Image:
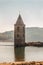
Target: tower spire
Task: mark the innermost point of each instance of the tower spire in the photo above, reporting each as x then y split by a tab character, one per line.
19	33
19	20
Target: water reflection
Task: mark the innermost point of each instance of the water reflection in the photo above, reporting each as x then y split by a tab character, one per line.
19	53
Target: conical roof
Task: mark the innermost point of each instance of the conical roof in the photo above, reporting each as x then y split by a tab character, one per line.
19	20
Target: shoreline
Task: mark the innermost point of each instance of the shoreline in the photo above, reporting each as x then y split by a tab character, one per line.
34	44
23	63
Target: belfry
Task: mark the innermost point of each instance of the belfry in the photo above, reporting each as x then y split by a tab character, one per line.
19	32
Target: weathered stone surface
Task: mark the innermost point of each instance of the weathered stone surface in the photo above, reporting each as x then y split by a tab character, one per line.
19	32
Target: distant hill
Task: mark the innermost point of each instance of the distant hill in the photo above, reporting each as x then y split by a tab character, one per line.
7	36
31	34
34	34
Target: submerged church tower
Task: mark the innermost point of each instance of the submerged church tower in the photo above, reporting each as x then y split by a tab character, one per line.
19	32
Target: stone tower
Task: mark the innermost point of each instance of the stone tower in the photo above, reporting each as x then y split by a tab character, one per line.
19	32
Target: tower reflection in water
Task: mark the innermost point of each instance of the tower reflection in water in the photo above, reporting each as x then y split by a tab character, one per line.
19	53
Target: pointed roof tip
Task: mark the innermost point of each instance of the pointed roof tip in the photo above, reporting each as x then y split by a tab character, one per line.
19	20
19	16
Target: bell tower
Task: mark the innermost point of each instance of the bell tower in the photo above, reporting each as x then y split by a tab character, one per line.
19	32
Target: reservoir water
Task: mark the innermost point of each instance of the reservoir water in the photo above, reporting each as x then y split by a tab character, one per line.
8	53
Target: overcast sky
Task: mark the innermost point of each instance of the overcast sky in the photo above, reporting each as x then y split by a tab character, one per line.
31	12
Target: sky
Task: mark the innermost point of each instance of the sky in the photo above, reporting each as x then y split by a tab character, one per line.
31	12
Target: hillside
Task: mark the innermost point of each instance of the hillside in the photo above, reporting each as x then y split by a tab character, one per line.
7	36
31	34
34	34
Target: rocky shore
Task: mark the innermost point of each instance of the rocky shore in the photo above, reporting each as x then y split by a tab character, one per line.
23	63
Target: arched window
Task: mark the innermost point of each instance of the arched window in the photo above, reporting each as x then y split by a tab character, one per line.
18	29
17	35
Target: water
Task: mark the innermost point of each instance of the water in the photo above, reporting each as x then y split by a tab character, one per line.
8	53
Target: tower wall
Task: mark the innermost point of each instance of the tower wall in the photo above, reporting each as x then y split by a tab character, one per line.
19	34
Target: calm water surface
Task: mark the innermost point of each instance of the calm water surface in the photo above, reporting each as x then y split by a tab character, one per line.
9	53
